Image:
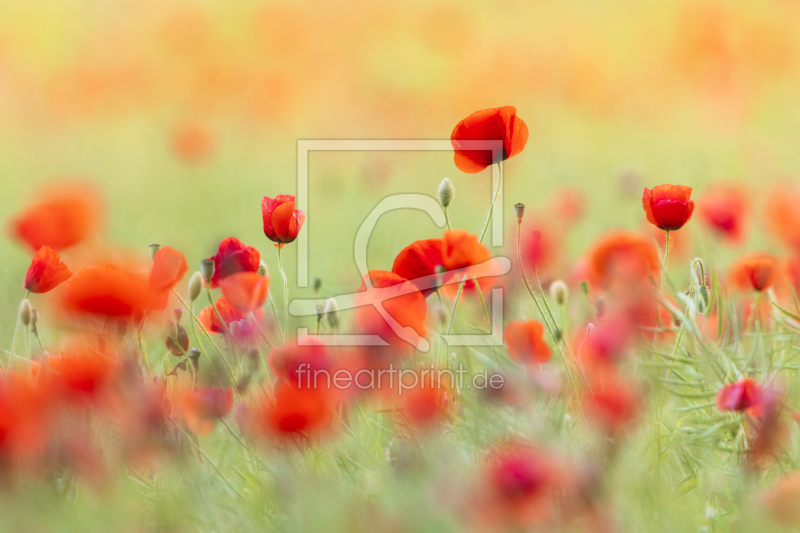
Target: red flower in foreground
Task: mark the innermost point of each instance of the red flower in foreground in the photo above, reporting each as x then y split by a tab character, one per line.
419	260
46	271
461	249
723	210
282	222
495	124
740	396
64	217
622	256
233	256
107	290
401	301
754	271
245	291
168	270
525	342
23	422
201	407
668	206
209	319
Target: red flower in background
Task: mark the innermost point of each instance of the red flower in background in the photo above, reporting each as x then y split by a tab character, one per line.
201	407
297	364
668	206
419	260
46	271
525	342
282	222
754	271
724	209
107	290
495	124
622	256
233	256
783	216
209	319
192	142
168	270
290	412
613	405
740	396
400	299
245	291
64	217
82	374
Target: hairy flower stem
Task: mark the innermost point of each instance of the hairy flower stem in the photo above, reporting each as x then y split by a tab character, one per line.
285	296
655	363
494	199
16	334
446	218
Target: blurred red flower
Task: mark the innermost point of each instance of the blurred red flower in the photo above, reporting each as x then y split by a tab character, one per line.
302	366
614	405
192	142
282	222
622	256
668	206
209	319
525	341
82	374
233	256
201	407
495	124
419	260
169	267
723	209
744	395
64	217
754	271
245	291
290	412
24	418
783	216
108	290
781	500
46	271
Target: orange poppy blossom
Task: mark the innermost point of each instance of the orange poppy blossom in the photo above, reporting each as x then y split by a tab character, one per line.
621	257
525	341
723	209
461	249
233	256
209	319
421	404
668	207
288	412
200	408
400	299
781	500
744	395
46	271
783	217
24	421
754	271
109	291
282	222
494	124
65	216
82	374
169	268
302	366
245	291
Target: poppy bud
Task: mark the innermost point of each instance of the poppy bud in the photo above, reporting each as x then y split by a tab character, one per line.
207	268
154	248
601	307
703	299
178	314
559	291
519	210
25	312
34	317
331	311
446	192
172	329
317	284
195	286
262	269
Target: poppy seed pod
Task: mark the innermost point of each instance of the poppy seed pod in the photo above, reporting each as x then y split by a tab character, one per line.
195	286
559	292
446	192
207	268
25	312
262	269
154	248
519	211
331	311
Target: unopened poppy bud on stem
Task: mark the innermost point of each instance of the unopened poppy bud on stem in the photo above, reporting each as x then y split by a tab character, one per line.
559	292
446	192
34	317
519	211
262	268
703	299
195	286
154	248
207	268
172	329
25	310
331	311
178	313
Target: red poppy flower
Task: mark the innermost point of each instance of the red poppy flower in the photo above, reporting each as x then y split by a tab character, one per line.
302	366
781	500
233	256
282	222
64	217
192	142
614	405
419	260
107	290
201	407
400	299
525	342
605	344
754	271
668	207
461	249
209	319
622	256
46	271
24	421
245	291
723	209
168	270
421	400
742	395
495	124
784	217
291	412
81	374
